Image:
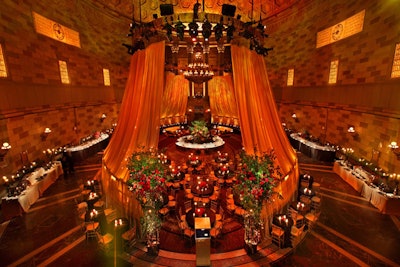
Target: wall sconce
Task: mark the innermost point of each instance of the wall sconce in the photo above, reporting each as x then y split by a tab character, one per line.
294	116
352	130
395	149
46	133
4	150
103	117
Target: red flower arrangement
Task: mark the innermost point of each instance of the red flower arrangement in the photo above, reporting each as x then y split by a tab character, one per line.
256	180
146	177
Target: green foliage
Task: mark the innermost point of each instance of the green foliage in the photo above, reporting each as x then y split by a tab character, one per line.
256	180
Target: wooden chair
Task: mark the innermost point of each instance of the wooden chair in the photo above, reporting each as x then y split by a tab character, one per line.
315	203
295	234
220	216
298	219
182	215
216	231
239	211
214	206
111	215
188	205
306	200
129	238
164	210
105	241
278	235
91	230
81	207
99	205
311	218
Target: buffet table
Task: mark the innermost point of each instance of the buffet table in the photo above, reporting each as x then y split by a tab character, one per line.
39	180
311	149
386	203
89	148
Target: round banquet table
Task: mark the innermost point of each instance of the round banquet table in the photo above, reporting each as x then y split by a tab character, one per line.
224	174
191	214
300	207
202	191
307	192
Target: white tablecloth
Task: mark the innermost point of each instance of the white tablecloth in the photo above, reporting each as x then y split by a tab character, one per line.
32	193
385	203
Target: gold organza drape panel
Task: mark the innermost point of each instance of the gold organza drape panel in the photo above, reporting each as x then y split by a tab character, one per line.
222	97
174	99
138	124
259	121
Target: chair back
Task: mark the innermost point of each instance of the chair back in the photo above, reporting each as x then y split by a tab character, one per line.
214	206
188	205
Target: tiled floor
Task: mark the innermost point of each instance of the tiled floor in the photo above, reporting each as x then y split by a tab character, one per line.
350	232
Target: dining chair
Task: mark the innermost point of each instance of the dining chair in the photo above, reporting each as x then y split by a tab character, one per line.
216	231
111	215
99	204
219	216
164	210
182	215
129	238
278	235
105	241
188	205
214	206
295	234
239	211
315	203
91	230
305	199
214	196
298	219
311	218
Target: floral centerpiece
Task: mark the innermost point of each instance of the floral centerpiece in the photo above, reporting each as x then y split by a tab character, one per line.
256	181
200	133
146	180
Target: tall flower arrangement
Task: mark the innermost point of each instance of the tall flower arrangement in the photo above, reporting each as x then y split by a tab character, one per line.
147	177
147	180
256	180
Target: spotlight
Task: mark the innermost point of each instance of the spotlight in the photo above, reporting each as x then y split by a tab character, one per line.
218	29
180	29
229	31
193	29
207	28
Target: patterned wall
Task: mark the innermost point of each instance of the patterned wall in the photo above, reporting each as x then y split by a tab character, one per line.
32	96
364	97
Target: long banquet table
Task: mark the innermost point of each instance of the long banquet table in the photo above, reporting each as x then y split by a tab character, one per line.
40	180
89	148
386	203
311	149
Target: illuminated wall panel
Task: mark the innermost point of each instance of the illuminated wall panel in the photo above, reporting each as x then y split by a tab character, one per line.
56	31
341	30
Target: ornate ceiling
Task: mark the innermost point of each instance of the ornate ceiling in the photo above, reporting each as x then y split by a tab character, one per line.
249	10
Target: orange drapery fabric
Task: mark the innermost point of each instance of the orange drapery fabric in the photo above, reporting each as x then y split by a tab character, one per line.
139	118
222	97
175	98
260	125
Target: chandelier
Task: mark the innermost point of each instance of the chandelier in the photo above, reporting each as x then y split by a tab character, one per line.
198	72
